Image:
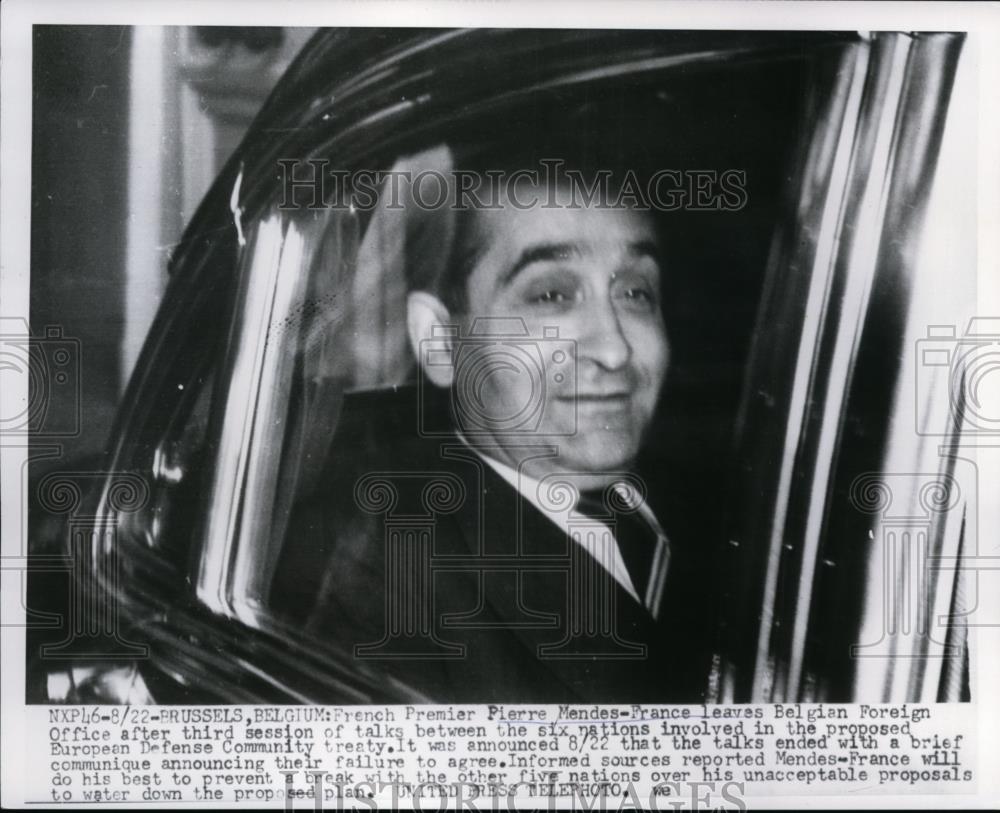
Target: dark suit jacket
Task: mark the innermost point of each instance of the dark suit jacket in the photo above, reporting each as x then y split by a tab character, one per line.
425	563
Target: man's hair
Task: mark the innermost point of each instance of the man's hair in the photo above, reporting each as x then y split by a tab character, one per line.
592	135
495	171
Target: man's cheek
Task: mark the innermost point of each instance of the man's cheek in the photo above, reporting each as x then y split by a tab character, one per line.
656	360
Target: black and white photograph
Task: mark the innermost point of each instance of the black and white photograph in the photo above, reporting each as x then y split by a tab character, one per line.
400	368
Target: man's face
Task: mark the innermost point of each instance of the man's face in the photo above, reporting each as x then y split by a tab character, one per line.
592	274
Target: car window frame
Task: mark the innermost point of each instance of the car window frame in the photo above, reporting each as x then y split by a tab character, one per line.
341	98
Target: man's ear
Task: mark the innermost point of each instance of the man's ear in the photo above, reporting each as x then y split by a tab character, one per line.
432	347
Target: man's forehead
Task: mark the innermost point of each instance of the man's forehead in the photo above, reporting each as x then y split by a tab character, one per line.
578	231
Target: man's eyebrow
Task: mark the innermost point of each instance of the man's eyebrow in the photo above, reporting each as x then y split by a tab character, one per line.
539	253
645	248
549	252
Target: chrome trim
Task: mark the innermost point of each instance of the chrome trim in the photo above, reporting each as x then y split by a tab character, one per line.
848	98
249	346
862	219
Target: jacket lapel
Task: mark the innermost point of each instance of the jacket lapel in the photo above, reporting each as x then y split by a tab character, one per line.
532	600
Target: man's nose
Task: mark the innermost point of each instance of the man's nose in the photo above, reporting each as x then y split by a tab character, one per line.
602	338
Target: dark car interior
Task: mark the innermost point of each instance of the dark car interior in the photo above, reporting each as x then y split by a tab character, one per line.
349	378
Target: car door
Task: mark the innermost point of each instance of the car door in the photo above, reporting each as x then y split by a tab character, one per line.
282	303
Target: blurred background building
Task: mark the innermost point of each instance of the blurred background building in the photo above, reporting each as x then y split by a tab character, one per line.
130	126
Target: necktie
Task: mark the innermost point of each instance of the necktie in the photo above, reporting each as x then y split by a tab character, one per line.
635	536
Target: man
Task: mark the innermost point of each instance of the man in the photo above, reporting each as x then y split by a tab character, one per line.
542	574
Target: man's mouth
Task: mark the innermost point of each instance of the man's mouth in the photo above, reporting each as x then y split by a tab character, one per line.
600	401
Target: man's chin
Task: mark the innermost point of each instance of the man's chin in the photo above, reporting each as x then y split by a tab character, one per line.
601	461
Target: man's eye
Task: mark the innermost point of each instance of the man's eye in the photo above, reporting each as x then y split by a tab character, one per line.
549	295
639	296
